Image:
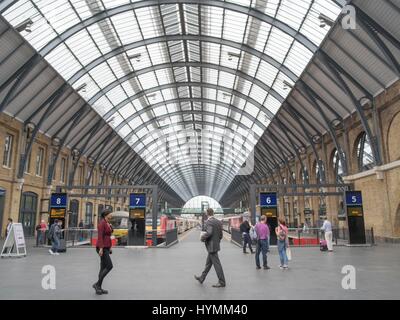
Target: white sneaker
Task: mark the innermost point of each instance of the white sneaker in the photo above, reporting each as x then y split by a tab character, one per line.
280	267
56	253
51	252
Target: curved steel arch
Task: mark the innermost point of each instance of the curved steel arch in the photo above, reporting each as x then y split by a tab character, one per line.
209	39
201	122
191	84
169	65
61	38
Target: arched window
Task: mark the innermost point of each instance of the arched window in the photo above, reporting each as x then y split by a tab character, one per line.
319	174
337	167
365	157
304	175
28	212
73	213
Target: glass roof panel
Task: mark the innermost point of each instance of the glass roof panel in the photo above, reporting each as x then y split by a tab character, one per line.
239	102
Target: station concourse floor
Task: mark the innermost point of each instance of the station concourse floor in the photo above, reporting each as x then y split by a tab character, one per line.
167	274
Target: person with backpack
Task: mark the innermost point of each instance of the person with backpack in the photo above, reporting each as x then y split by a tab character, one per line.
282	236
263	234
54	236
245	230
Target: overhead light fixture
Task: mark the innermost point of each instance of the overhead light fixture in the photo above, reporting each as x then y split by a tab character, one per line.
136	57
232	55
82	87
225	95
325	20
24	25
287	85
152	96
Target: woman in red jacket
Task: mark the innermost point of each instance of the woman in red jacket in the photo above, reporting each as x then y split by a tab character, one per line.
103	249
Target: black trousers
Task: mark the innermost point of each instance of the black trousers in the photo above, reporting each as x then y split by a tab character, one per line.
213	260
105	265
246	240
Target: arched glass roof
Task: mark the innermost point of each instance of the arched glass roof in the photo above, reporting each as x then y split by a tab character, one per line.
185	83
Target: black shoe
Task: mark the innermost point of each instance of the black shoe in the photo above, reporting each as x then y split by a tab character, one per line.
266	268
219	285
97	288
104	291
252	252
258	268
198	279
245	252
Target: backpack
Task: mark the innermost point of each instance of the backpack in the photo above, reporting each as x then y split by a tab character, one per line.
38	227
50	233
253	234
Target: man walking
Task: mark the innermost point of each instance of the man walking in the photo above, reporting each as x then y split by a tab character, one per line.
212	237
54	236
263	233
327	227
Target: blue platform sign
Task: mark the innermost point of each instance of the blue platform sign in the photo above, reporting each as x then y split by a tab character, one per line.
137	200
268	200
58	200
353	198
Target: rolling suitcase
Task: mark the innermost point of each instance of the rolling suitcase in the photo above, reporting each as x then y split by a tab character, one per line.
63	246
323	245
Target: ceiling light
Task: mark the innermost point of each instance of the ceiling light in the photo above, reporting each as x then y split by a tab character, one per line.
325	20
287	85
24	25
82	87
136	57
232	55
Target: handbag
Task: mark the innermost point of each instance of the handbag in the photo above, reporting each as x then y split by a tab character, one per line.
289	253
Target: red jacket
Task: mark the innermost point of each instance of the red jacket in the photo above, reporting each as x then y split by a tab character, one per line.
104	232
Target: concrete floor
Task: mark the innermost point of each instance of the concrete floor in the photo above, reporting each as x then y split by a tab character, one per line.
168	274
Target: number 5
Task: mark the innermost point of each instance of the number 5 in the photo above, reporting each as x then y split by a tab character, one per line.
354	199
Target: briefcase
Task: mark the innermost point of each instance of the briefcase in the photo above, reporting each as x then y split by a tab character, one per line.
63	246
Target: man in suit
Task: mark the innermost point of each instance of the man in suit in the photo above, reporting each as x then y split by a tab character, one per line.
212	237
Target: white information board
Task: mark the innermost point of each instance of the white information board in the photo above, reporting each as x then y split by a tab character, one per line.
14	246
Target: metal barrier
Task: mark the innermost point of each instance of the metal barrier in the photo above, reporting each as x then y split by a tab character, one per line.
236	236
171	237
310	237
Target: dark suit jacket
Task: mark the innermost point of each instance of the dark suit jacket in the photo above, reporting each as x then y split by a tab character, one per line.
213	235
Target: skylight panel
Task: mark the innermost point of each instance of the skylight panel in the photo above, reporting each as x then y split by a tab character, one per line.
249	64
257	34
226	79
149	21
148	80
283	84
116	95
59	14
211	24
128	88
124	131
234	25
278	44
114	3
102	74
266	73
272	104
158	53
135	122
292	12
102	106
63	61
83	47
82	8
115	65
127	111
127	28
252	109
298	58
99	38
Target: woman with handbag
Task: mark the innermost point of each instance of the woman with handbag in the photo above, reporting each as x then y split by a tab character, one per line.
283	243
